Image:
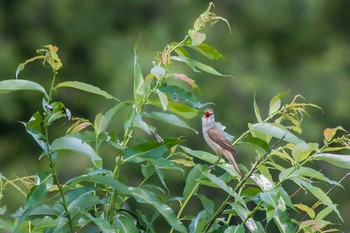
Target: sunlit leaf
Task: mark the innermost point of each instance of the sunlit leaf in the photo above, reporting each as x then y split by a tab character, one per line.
77	145
275	103
87	88
306	209
302	150
329	133
20	85
163	99
147	197
190	82
197	38
337	160
277	131
318	224
177	108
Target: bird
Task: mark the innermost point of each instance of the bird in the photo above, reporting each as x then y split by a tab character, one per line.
216	139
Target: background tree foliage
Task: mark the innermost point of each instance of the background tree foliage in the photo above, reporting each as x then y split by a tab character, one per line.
294	46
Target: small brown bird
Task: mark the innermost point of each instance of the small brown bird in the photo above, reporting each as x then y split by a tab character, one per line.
217	140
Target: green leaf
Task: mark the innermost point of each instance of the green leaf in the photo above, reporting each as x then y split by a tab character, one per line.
342	161
318	224
257	111
235	229
270	197
152	151
33	127
163	99
21	66
304	172
197	65
77	145
259	143
86	87
11	85
302	150
84	201
139	83
177	108
99	179
100	123
168	118
179	94
197	38
147	197
207	204
192	182
125	225
283	222
57	112
101	223
38	192
317	192
275	103
208	51
198	223
277	131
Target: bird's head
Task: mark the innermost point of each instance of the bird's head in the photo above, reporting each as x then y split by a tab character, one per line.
208	114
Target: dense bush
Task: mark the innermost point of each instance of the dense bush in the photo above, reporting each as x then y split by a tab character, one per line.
269	195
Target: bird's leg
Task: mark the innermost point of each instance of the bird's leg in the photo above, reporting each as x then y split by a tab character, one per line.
212	167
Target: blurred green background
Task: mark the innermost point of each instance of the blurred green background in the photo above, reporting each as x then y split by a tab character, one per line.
299	47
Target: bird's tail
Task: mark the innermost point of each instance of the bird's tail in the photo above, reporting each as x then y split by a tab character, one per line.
232	160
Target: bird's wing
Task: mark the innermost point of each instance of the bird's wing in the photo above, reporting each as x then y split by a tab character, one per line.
217	136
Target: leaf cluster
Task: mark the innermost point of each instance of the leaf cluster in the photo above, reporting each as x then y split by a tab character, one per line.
100	200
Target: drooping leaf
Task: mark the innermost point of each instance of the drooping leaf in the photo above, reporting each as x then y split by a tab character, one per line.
83	201
87	88
208	51
33	127
190	82
77	145
21	66
168	118
11	85
277	131
196	65
337	160
148	197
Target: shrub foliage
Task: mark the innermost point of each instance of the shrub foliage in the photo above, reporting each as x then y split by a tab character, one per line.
268	196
